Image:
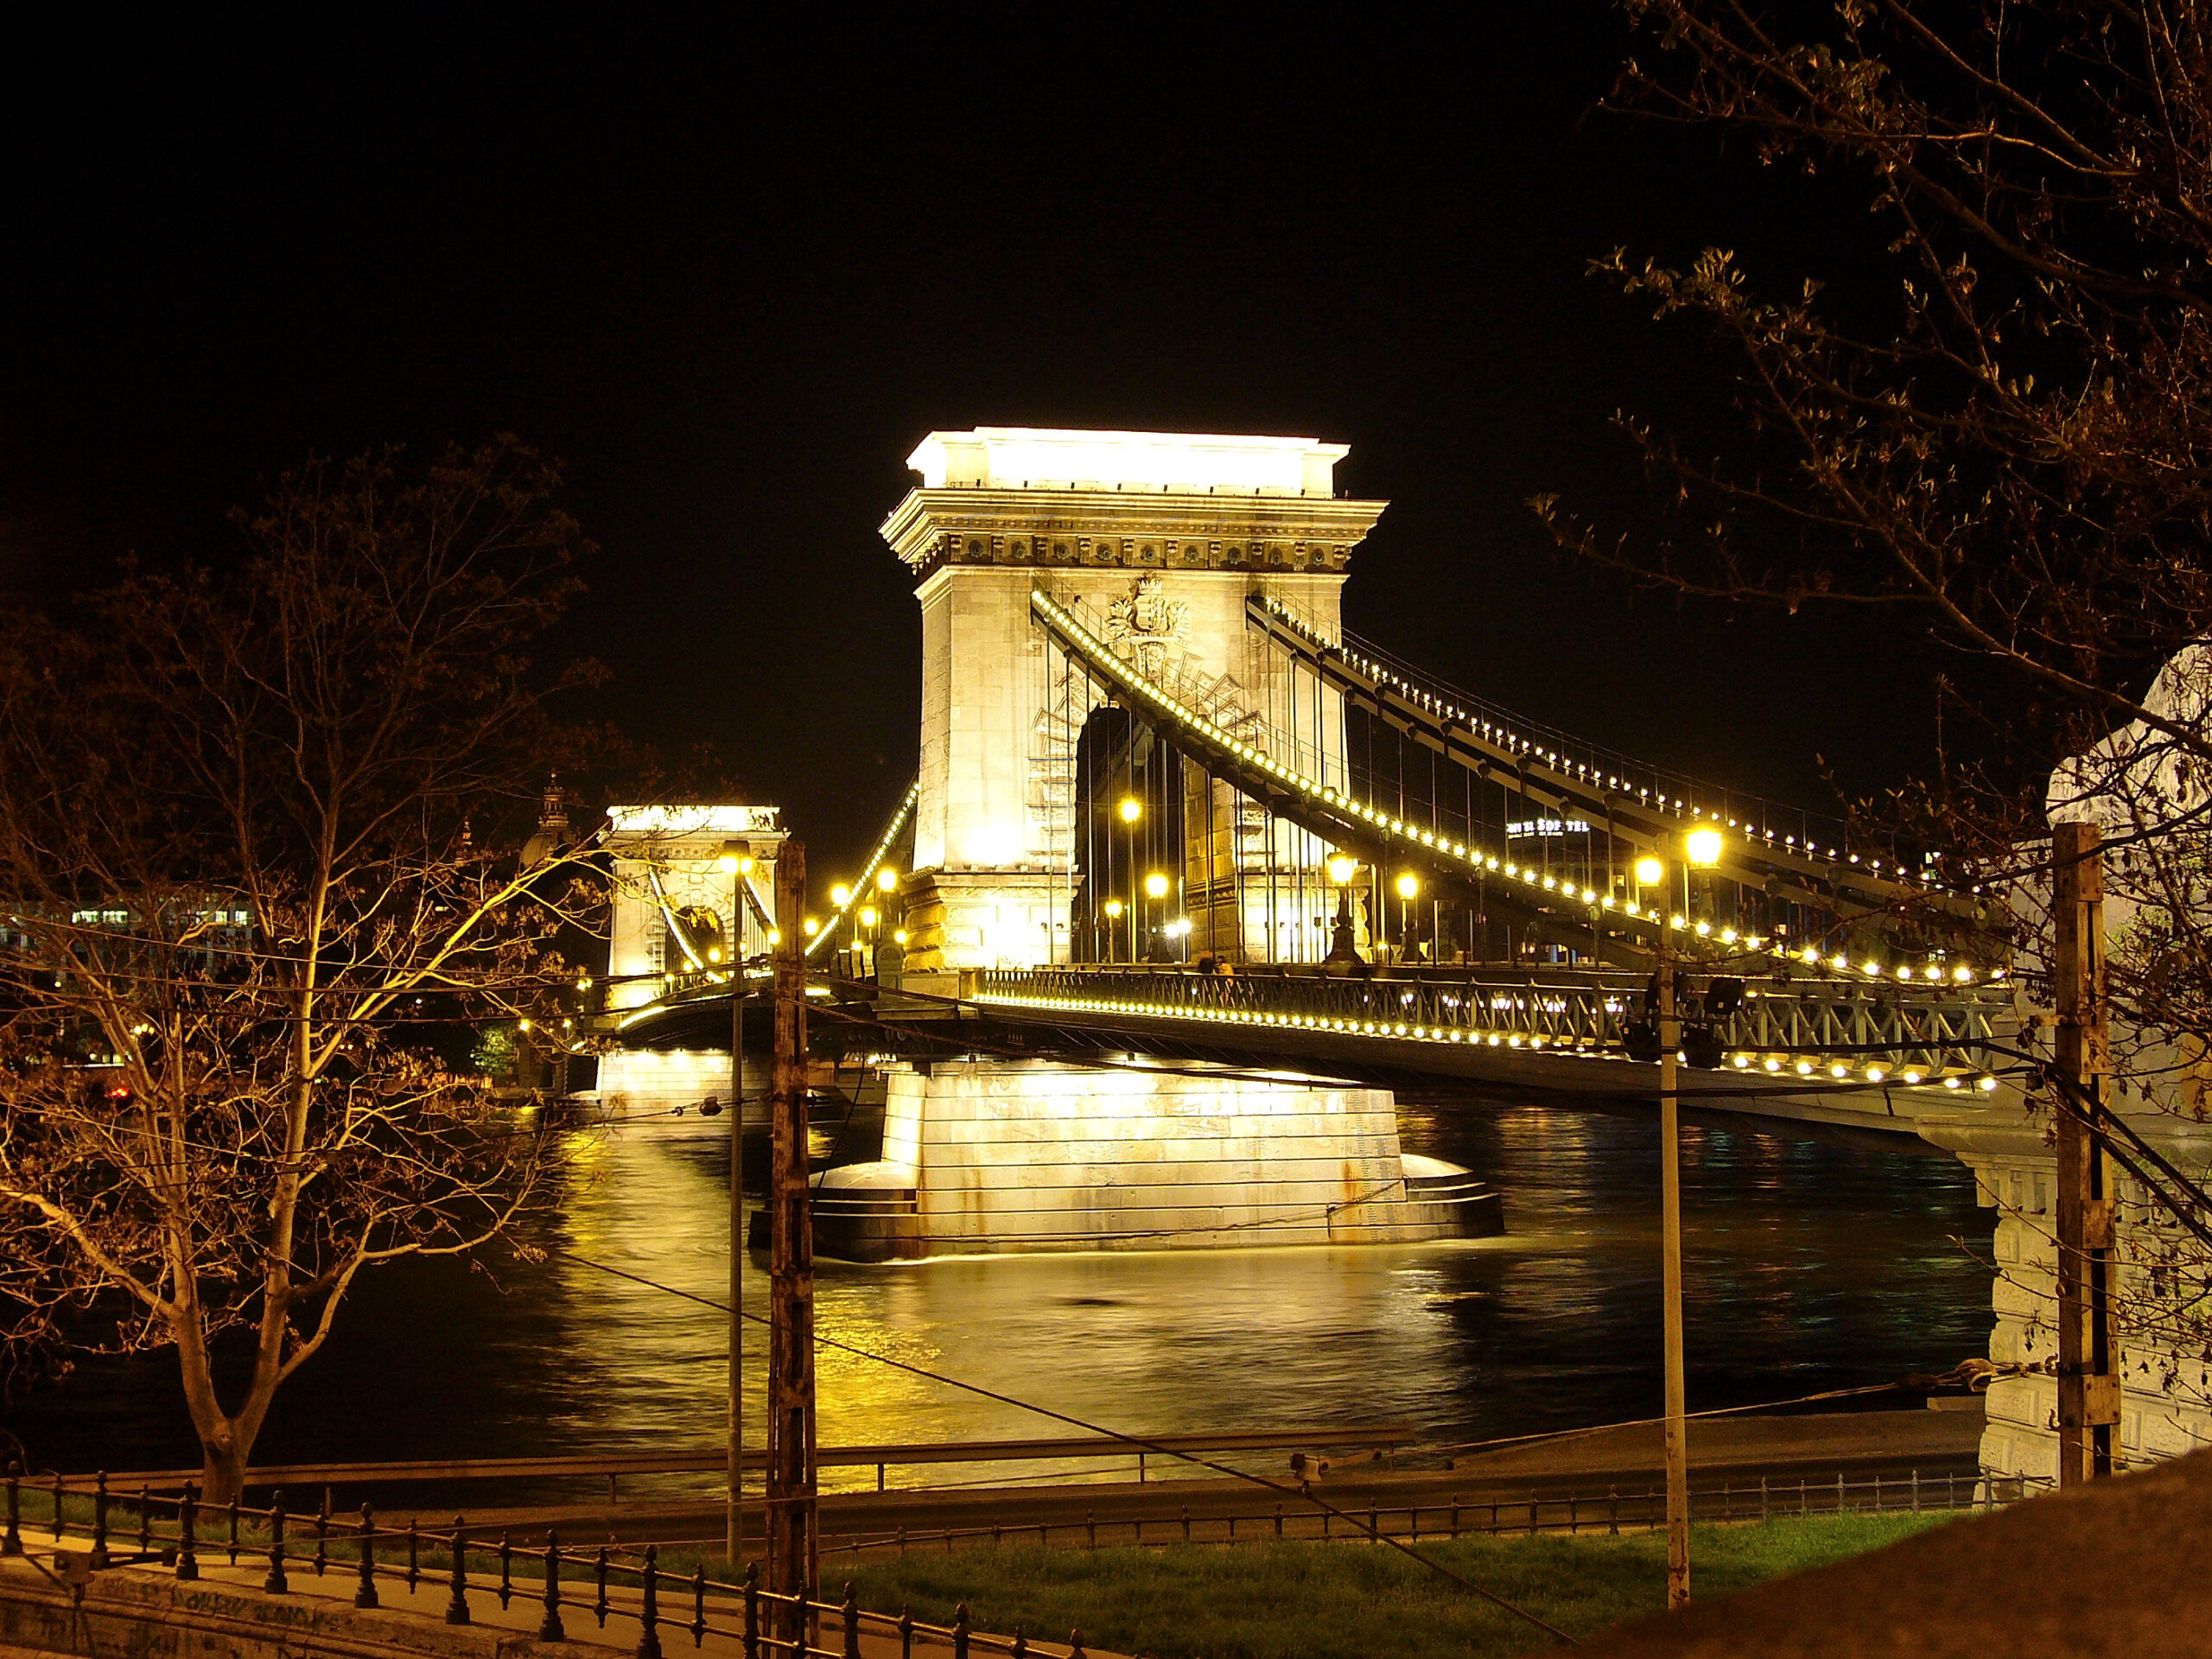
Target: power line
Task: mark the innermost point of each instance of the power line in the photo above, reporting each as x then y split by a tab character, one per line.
1303	1490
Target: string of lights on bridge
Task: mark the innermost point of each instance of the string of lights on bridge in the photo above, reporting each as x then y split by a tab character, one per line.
872	872
1477	861
1874	1071
1382	674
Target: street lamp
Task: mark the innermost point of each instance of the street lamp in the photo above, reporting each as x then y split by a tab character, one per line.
1113	908
886	880
1340	868
1408	886
1131	809
1155	888
869	915
736	861
1701	848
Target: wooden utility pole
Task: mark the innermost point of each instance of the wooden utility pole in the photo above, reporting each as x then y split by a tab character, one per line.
738	859
2089	1358
792	1537
1670	1288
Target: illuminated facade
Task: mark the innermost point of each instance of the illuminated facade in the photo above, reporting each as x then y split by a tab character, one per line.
677	912
675	908
1161	539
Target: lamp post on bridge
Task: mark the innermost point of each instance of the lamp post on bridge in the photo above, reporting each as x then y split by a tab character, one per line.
1408	887
1701	847
1155	888
1132	810
1343	947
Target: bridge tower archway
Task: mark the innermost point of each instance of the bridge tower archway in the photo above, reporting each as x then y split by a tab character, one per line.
1158	540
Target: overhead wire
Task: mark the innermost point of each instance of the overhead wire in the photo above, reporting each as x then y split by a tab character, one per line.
1303	1490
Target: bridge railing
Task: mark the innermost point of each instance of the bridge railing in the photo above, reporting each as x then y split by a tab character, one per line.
1827	1029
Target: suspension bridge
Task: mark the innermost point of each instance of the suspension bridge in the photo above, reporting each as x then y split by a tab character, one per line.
1166	801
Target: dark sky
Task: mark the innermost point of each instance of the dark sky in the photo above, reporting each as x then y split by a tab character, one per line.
731	272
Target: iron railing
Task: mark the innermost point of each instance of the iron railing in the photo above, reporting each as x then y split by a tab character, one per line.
1611	1512
611	1584
1937	1037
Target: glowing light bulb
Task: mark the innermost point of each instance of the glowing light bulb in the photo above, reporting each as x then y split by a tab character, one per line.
1650	872
1702	846
841	895
886	880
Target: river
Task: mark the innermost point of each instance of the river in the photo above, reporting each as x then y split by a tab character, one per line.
1810	1266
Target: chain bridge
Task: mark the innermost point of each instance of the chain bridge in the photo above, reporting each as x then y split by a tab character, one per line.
1165	799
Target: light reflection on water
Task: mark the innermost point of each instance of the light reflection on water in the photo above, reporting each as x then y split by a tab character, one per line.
1809	1267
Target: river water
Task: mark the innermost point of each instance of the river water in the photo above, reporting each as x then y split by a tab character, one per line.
1810	1265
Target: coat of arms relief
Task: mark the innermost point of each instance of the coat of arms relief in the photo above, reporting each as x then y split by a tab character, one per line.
1147	621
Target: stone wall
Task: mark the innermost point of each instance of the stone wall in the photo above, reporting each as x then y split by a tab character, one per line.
1033	1155
2166	1399
146	1615
652	1080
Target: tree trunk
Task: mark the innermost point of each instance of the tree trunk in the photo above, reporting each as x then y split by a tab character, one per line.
225	1441
222	1470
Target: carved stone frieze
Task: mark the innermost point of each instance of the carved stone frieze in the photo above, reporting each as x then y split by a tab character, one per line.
1048	528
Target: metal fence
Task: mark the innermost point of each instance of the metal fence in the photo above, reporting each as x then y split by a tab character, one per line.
610	1584
1571	1514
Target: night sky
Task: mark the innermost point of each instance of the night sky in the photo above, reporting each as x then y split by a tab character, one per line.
731	272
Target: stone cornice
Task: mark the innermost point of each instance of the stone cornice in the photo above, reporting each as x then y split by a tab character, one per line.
1140	530
2026	1135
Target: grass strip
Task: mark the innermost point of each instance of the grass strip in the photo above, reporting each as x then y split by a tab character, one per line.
1347	1601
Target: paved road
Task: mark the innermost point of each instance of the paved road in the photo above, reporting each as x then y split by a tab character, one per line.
1489	1486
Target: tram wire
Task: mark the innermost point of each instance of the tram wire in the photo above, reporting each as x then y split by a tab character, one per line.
1303	1490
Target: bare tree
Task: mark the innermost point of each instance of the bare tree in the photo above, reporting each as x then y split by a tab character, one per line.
1994	424
257	834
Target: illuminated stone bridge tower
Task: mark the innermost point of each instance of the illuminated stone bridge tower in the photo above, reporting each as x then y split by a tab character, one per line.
1162	536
